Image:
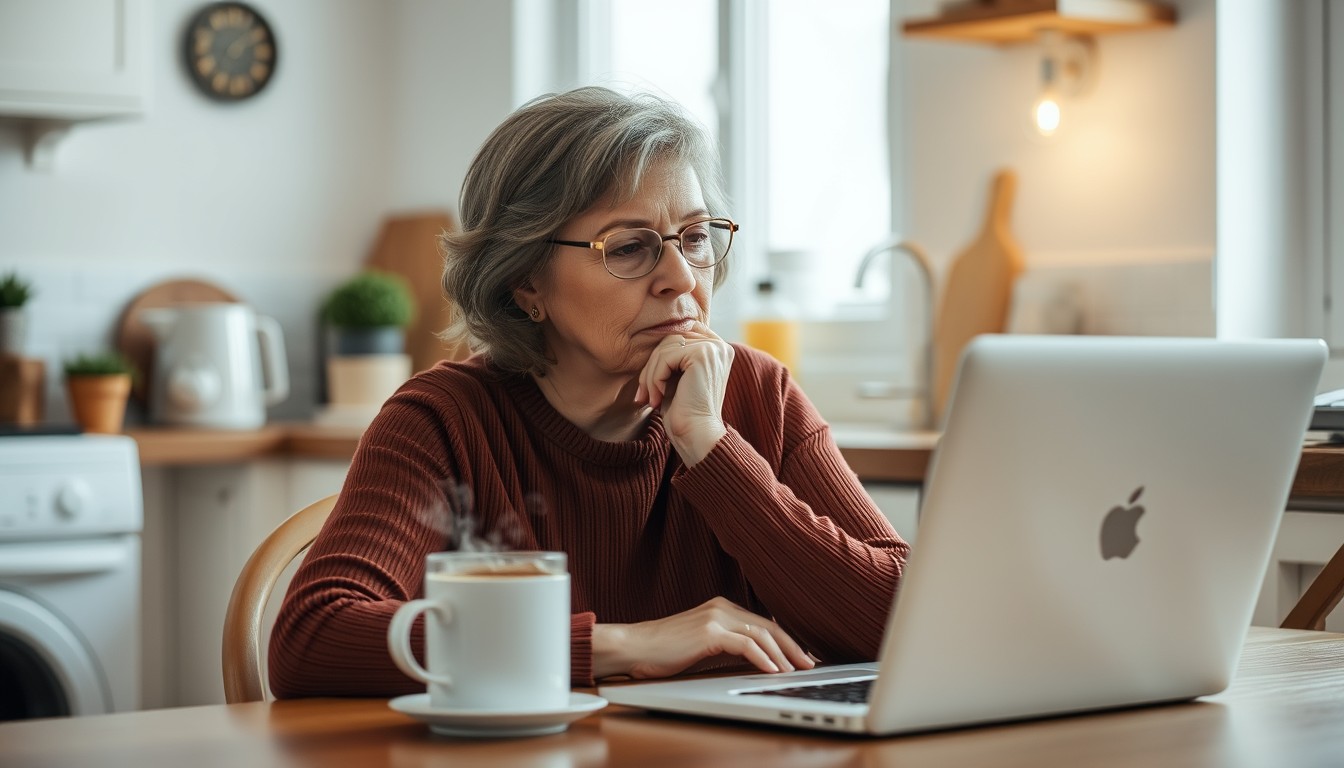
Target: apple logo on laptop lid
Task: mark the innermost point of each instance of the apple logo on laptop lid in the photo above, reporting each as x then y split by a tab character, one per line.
1119	529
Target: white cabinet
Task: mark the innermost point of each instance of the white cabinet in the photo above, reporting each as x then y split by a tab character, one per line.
72	59
63	61
201	525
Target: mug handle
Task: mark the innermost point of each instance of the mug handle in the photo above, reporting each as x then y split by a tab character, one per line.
399	638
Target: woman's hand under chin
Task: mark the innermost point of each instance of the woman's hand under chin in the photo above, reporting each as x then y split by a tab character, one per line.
686	377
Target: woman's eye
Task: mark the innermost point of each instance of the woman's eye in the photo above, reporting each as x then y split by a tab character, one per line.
630	250
695	236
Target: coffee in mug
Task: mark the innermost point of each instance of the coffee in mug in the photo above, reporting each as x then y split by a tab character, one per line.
496	631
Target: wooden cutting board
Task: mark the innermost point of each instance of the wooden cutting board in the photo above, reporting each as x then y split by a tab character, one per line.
22	390
979	288
408	245
136	341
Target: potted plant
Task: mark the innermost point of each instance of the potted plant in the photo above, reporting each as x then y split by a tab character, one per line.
365	319
14	293
368	314
99	384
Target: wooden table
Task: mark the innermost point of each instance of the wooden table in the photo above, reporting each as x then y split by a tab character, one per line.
1285	708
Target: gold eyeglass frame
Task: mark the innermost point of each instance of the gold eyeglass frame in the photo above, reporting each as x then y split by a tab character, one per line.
600	245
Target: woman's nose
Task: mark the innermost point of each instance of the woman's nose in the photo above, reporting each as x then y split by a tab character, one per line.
672	272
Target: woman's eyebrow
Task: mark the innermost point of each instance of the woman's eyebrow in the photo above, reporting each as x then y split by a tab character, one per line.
612	226
619	224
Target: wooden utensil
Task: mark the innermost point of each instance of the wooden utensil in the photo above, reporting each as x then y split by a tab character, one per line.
979	288
135	340
22	390
409	246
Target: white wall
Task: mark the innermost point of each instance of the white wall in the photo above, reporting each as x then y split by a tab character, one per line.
1130	177
452	83
376	107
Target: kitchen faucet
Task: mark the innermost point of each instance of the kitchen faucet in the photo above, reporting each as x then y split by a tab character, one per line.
893	244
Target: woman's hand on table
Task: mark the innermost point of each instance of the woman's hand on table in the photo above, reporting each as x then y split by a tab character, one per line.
665	647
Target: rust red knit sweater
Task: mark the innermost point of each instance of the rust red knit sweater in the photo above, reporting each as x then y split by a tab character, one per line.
772	519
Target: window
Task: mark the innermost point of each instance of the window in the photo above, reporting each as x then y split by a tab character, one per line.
1331	225
796	93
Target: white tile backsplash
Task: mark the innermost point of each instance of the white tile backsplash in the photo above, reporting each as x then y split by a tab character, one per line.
76	307
1172	298
867	372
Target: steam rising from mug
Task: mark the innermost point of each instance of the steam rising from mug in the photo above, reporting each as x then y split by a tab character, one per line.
514	529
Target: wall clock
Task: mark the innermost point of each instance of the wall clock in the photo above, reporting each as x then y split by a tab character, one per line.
230	51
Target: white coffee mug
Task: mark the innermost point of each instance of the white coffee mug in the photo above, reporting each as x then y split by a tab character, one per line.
496	631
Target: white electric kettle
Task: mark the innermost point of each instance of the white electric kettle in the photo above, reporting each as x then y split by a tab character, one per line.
216	365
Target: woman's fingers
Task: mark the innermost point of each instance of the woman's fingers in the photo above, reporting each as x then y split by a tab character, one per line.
783	651
781	648
749	648
762	640
669	359
677	643
675	354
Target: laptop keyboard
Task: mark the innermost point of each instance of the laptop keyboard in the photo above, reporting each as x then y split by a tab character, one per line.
847	692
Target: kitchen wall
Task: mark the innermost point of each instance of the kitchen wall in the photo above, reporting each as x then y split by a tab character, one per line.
1130	178
376	108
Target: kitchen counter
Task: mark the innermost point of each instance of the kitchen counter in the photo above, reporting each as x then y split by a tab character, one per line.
875	455
167	446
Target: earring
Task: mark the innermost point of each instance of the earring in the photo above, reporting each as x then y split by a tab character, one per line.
535	314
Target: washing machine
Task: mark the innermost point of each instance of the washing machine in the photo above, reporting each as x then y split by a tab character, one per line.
71	514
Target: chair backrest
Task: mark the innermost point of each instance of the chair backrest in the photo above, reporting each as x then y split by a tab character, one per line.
1320	598
243	675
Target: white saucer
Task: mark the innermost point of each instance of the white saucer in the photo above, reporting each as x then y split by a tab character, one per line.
496	723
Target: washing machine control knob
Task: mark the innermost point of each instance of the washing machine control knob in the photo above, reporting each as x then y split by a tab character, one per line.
72	500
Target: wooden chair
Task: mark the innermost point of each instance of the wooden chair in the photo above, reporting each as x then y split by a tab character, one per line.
243	676
1320	598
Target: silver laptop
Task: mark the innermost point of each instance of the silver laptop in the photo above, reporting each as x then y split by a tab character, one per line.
1096	522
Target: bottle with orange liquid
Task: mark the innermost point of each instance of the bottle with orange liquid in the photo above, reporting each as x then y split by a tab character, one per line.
772	327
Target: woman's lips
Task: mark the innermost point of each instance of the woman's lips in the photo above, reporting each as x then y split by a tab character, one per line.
683	325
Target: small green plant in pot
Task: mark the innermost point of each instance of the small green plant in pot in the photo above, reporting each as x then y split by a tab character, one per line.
366	317
14	294
99	384
368	314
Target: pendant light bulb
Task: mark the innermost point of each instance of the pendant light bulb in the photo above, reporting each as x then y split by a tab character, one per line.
1045	112
1045	115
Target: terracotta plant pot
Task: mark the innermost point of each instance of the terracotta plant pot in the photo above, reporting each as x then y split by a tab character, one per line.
99	402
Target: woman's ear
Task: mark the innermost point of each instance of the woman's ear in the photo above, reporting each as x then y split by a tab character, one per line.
528	299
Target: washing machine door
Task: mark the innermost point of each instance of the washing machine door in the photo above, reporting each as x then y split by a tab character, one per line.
45	668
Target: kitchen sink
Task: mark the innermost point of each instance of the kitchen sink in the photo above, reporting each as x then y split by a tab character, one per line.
864	372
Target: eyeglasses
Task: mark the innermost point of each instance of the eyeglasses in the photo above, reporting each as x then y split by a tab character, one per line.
632	253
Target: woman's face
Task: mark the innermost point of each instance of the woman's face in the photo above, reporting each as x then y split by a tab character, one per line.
597	324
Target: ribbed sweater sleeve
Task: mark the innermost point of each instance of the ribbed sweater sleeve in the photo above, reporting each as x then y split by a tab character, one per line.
818	553
771	519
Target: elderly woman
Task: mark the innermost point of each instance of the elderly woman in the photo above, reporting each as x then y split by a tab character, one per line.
706	512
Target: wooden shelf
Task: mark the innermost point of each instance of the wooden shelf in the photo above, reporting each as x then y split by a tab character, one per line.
1019	21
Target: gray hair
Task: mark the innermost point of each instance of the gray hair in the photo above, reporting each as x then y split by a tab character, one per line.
551	160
